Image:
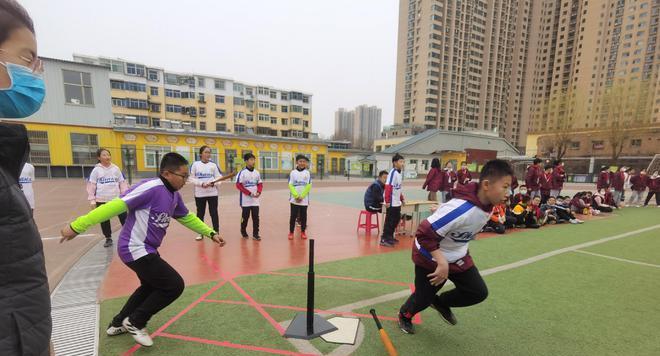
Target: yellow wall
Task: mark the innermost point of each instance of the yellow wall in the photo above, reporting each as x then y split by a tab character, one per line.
531	148
452	156
389	142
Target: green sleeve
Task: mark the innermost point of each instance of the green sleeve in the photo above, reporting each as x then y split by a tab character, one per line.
293	190
192	222
99	215
305	191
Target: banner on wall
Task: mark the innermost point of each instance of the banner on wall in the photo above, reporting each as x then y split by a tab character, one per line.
472	167
287	161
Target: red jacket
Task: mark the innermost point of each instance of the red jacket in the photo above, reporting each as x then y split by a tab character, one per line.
603	180
653	184
638	182
558	178
546	182
618	180
533	177
464	176
448	180
434	180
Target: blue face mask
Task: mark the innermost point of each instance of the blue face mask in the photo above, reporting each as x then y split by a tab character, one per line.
25	94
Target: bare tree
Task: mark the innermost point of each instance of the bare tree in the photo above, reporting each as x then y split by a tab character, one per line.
560	113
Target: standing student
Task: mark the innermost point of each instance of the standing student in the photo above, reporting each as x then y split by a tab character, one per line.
151	204
434	180
618	180
300	183
464	176
373	197
628	173
546	184
106	182
533	178
205	174
250	186
603	178
654	189
394	199
448	182
558	178
638	186
25	180
440	251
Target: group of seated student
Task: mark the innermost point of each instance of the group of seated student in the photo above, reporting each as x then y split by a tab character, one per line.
522	211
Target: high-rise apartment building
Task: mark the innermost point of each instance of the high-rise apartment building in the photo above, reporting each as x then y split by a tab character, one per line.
361	126
344	121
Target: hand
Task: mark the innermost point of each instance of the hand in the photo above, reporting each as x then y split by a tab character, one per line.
434	208
387	205
92	205
298	200
205	185
440	274
403	203
257	194
219	240
67	234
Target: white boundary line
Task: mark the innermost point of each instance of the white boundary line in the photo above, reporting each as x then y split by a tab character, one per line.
618	259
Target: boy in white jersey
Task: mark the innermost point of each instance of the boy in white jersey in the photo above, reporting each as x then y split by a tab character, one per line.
300	183
205	174
394	200
25	181
106	182
250	186
440	251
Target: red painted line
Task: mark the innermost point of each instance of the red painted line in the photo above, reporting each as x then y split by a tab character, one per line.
258	307
176	317
320	311
232	345
375	281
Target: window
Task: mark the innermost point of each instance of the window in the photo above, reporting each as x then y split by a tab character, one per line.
201	82
202	111
154	107
268	160
264	104
425	164
173	108
597	145
238	87
201	97
77	87
305	111
135	69
239	115
220	99
249	117
239	101
636	142
219	84
220	114
273	107
153	154
152	75
220	127
273	94
155	122
83	148
284	108
39	151
142	120
273	120
296	108
295	121
239	128
171	93
285	122
153	91
263	91
264	117
130	86
202	126
284	96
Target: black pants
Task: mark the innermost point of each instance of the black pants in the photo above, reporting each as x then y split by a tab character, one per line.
470	290
564	214
604	209
497	227
545	195
648	198
392	219
213	210
298	211
247	210
160	285
105	226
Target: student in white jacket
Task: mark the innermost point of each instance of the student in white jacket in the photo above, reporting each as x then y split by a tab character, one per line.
206	177
106	182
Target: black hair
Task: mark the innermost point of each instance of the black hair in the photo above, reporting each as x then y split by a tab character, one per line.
382	173
495	169
547	167
100	150
201	149
435	163
247	156
172	161
552	197
396	157
525	199
537	160
13	16
557	162
299	157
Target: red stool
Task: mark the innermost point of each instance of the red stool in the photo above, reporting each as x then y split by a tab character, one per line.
368	224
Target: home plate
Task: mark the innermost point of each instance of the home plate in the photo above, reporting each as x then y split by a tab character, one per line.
346	331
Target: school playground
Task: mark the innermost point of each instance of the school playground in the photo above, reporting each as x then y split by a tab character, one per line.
589	289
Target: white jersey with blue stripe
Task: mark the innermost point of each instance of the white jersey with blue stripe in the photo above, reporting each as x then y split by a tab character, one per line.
394	179
458	221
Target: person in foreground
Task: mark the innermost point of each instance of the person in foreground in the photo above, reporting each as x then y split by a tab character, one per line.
440	251
150	205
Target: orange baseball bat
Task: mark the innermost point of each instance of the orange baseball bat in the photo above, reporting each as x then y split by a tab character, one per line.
383	335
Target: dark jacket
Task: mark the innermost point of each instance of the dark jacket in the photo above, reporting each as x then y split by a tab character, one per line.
653	184
434	180
25	323
603	180
464	176
546	182
638	182
558	178
533	177
448	179
618	180
373	197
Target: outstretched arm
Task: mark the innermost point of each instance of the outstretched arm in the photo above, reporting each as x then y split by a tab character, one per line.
96	216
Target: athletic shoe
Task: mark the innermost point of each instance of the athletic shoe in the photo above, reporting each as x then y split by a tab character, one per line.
256	238
244	235
386	243
199	237
291	236
114	330
141	336
395	241
406	325
303	235
446	314
108	242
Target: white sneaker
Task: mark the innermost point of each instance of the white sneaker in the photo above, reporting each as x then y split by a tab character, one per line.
199	238
141	336
114	331
574	221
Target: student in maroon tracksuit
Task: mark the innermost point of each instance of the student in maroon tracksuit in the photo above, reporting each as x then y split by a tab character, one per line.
546	184
654	189
603	178
558	178
434	180
463	175
638	185
618	180
447	182
533	178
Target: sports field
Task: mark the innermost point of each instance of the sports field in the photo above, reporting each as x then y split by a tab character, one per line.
590	289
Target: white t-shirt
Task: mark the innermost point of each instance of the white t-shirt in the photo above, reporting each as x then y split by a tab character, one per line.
26	179
300	179
201	172
250	180
107	180
395	179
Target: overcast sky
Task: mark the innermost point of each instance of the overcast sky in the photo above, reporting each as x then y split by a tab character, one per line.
342	51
